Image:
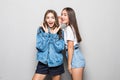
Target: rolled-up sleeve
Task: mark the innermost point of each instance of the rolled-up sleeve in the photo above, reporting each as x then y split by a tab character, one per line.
69	34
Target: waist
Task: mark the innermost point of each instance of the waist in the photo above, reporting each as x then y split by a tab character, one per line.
75	47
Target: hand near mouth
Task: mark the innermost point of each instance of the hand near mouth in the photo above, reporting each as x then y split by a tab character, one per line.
44	28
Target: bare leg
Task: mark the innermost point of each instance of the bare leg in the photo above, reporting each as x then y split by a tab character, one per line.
38	77
57	77
77	73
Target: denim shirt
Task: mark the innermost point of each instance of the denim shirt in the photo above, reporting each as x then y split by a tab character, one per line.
49	48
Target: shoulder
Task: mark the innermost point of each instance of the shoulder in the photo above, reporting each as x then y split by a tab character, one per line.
69	29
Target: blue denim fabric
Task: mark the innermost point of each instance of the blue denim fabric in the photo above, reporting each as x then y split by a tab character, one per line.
77	59
49	48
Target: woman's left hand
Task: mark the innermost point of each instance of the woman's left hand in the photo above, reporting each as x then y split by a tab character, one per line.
54	31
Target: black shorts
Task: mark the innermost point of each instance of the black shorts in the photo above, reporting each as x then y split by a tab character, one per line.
44	69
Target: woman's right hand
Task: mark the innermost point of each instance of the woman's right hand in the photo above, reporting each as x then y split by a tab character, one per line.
70	69
44	27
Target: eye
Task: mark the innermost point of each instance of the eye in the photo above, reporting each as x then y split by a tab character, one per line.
47	17
53	17
65	14
61	14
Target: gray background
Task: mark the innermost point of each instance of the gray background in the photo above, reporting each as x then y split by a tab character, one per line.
99	24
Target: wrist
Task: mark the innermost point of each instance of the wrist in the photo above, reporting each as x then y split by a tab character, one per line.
69	63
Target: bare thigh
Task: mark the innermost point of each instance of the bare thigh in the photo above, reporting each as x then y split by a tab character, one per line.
38	77
77	73
57	77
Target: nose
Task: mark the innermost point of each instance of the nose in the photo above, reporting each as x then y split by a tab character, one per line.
50	19
62	17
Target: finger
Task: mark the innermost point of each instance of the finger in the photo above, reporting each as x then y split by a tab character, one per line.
70	71
46	28
57	29
54	30
45	25
43	28
41	24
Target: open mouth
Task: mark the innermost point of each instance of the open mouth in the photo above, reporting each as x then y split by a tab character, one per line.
51	24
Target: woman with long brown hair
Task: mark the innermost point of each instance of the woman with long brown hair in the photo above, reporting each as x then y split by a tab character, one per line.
49	45
76	61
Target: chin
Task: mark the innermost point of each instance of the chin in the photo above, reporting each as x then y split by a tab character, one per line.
50	26
64	22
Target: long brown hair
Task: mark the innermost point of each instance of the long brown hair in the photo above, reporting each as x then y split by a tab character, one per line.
73	22
56	24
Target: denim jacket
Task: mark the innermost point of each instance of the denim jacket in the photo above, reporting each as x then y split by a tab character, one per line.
49	48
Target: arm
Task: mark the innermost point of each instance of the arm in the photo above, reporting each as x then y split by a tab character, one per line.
41	40
70	45
70	54
70	51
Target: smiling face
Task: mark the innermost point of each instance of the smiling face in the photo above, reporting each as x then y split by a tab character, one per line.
50	19
64	17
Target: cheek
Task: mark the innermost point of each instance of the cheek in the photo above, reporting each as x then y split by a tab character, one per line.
53	20
66	20
47	20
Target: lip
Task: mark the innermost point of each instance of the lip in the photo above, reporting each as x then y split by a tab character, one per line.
50	24
63	20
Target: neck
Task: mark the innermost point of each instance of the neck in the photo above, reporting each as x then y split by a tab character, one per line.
51	28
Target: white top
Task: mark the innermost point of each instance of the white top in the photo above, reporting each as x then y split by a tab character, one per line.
69	34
